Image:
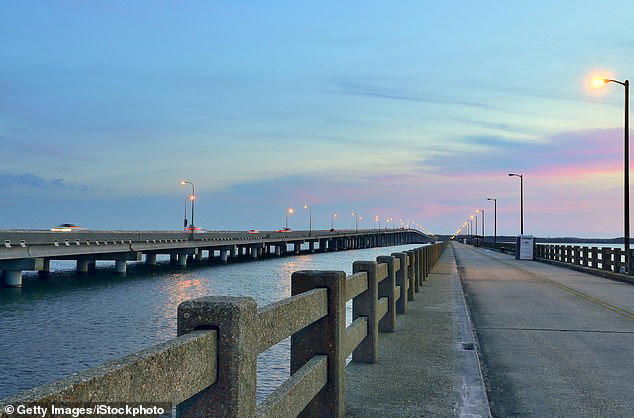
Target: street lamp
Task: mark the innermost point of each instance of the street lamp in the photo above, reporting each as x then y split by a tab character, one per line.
521	176
310	219
476	223
193	199
332	221
185	215
597	83
495	218
483	234
289	211
356	221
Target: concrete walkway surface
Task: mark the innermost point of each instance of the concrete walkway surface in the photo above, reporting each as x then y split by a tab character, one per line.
553	341
427	367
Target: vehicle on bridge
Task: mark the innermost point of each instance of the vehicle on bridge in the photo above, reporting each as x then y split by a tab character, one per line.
66	228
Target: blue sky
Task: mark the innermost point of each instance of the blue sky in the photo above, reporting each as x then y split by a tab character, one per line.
411	110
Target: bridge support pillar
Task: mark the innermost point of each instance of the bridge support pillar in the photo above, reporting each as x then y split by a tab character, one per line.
232	251
260	251
173	258
311	246
254	252
296	247
223	256
199	254
182	260
46	269
150	259
82	265
12	278
278	250
120	265
92	266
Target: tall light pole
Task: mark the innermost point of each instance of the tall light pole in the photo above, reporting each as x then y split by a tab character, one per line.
599	82
185	215
310	219
521	176
332	221
289	211
483	232
193	199
356	221
495	218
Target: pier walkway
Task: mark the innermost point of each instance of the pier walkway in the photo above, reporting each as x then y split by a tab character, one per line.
427	367
554	341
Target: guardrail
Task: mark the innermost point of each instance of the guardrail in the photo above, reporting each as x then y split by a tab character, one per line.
603	258
215	353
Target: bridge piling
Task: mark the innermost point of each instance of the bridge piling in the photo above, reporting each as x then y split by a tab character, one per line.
82	265
120	265
150	259
12	278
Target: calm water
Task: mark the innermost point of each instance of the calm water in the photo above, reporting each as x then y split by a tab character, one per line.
67	323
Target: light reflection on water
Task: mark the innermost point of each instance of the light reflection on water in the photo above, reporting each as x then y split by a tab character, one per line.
67	323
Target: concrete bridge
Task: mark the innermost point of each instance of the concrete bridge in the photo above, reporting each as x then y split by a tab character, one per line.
34	250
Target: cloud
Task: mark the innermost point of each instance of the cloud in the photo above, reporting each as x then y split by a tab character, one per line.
570	153
31	180
344	86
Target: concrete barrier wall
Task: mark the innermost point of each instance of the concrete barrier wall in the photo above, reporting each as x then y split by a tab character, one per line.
219	338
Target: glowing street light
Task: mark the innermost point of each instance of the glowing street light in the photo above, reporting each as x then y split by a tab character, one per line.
310	219
495	218
356	221
478	211
598	83
193	199
289	211
521	176
332	221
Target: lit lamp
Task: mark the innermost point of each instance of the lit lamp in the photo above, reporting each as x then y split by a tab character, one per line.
599	82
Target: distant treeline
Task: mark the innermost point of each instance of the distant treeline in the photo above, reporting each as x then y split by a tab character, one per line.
510	238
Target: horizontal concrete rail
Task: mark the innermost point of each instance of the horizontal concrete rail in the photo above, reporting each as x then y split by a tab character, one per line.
215	354
292	396
282	319
169	372
356	284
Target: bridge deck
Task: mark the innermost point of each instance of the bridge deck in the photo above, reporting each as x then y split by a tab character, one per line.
554	341
422	369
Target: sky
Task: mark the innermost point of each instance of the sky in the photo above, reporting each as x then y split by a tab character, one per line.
407	110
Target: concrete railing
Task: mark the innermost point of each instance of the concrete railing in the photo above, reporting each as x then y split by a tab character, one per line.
215	354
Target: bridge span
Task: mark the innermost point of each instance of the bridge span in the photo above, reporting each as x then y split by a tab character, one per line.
33	250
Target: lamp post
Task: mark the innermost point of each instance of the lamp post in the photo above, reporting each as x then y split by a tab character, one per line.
597	83
483	232
185	215
289	211
193	199
495	218
332	221
310	219
521	176
356	221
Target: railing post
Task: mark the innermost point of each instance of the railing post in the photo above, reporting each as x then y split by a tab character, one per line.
425	262
419	265
365	305
233	394
401	281
606	259
386	289
595	257
413	280
325	336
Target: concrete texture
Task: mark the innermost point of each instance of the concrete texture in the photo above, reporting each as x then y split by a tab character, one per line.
422	368
554	341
